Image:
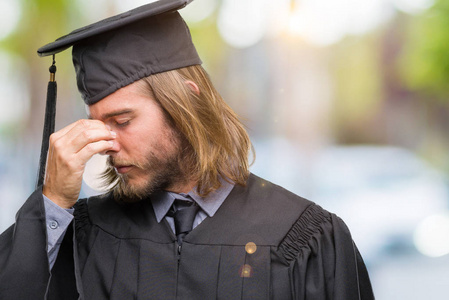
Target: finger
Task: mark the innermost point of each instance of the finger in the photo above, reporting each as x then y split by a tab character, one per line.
67	147
78	126
94	148
90	136
79	134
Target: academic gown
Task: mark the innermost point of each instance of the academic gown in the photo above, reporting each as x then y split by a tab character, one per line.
263	243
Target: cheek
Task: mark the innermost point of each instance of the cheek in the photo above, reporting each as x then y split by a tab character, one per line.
146	135
139	144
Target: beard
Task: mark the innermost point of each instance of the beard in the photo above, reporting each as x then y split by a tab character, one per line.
162	172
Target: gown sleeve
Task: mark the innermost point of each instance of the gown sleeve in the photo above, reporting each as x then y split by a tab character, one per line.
24	268
324	261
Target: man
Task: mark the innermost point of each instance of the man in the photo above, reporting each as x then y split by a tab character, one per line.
178	159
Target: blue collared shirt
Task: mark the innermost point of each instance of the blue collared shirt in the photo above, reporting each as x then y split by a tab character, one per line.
162	202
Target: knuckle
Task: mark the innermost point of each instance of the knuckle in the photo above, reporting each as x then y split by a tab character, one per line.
83	123
53	138
87	135
57	144
89	147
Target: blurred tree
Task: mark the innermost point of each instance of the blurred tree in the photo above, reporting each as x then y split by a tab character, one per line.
358	89
424	68
424	64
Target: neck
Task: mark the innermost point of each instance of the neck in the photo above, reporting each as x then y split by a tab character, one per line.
184	187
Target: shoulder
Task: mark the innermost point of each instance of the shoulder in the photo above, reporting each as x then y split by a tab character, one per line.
272	212
267	193
303	224
279	200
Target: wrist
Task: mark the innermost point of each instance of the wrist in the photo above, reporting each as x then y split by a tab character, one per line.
61	201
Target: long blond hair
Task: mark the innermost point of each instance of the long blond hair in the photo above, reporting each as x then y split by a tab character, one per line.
219	141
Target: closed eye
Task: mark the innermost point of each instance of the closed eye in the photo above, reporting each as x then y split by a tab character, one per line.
122	123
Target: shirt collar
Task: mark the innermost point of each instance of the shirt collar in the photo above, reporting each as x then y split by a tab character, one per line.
163	200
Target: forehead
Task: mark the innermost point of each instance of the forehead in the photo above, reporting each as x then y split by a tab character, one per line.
129	99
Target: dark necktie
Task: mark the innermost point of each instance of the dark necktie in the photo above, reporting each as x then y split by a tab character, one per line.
183	214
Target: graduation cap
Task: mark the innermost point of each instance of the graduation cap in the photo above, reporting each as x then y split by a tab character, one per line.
118	51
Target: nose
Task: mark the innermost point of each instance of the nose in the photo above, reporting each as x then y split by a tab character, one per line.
115	148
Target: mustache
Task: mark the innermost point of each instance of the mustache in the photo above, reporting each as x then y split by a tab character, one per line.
112	162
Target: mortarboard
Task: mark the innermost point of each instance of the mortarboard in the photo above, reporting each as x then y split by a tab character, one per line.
117	51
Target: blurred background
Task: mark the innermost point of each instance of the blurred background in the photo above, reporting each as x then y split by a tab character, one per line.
346	101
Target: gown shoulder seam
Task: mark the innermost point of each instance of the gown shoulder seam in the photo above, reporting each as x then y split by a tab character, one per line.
307	225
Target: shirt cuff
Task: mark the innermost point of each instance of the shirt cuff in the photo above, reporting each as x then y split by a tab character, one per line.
57	221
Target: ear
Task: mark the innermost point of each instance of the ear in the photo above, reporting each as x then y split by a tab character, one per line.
192	85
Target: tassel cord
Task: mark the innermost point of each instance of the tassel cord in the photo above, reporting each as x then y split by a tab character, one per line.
49	123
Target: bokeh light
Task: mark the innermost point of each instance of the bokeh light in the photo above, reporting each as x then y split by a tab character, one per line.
323	22
432	235
242	23
250	248
198	10
246	271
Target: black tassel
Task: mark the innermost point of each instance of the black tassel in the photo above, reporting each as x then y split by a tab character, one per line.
49	123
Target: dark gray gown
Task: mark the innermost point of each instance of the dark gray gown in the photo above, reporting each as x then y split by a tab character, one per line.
120	252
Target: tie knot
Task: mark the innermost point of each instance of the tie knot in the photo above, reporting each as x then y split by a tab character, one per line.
180	204
183	214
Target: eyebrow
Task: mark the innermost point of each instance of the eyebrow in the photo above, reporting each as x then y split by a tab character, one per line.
114	114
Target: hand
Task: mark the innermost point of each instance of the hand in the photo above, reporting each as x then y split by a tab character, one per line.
70	149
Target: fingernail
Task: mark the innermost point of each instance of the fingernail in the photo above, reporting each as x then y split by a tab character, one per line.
108	127
111	143
113	134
